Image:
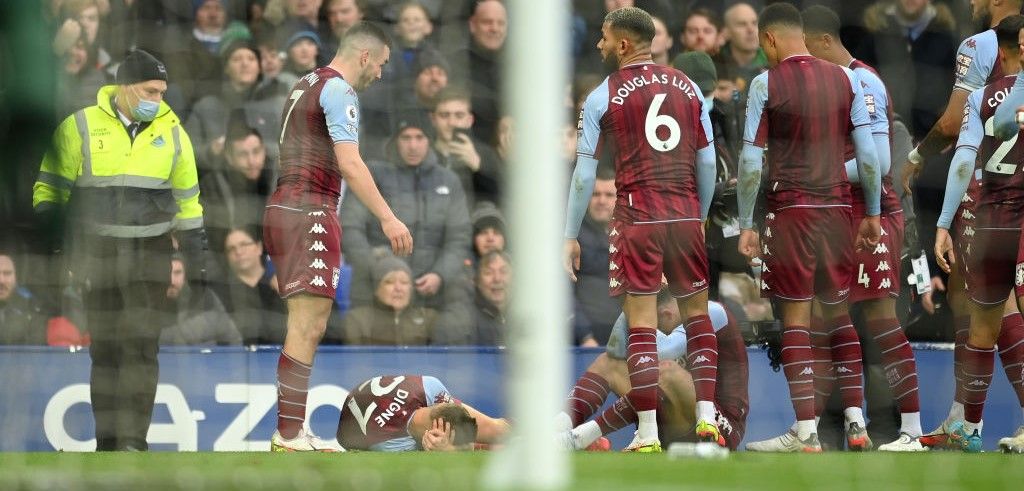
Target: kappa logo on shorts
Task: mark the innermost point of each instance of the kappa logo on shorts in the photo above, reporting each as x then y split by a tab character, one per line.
885	284
764	285
316	214
613	233
334	277
881	248
764	249
612	249
318	229
770	216
767	231
968	231
883	266
318	264
966	199
1019	279
613	283
612	266
318	281
698	284
318	246
883	231
966	214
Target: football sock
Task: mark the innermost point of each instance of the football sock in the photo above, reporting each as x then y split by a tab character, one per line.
586	433
647	424
292	389
563	420
642	362
898	362
587	397
962	326
846	361
910	423
956	411
619	415
854	415
702	359
977	376
821	354
1011	352
796	364
796	424
970	427
806	428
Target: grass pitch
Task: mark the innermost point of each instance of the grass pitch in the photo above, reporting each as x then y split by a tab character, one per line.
429	472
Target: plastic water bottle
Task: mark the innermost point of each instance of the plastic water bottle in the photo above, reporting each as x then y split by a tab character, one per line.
701	450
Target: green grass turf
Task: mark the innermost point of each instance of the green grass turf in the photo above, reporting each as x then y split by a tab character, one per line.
424	472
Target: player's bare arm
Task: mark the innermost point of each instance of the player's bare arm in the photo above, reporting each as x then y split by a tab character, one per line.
360	182
941	135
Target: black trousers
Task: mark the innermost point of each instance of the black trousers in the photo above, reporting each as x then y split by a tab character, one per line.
125	282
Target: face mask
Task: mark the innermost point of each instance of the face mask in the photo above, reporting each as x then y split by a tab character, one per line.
145	110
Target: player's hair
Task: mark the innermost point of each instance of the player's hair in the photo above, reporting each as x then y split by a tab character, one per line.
489	258
449	94
636	23
819	19
779	15
364	35
1007	32
463	425
708	14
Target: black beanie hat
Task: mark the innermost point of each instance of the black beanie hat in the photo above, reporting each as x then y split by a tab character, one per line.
140	66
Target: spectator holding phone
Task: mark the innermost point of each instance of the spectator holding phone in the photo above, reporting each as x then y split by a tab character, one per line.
475	162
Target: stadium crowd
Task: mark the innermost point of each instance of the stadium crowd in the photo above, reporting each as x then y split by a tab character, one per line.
437	141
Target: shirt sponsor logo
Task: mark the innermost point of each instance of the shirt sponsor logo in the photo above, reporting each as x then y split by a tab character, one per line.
963	63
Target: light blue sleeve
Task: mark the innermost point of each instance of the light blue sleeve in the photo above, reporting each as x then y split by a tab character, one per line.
877	101
757	97
864	148
752	154
962	168
706	158
1006	125
975	59
588	127
435	391
341	109
581	186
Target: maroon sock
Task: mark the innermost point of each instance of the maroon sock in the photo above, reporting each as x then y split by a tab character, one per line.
587	397
796	364
642	362
847	362
962	326
1011	352
292	388
620	415
821	359
898	361
702	356
977	376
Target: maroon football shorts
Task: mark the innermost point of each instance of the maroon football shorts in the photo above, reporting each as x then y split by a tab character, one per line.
876	272
961	231
638	255
807	252
991	265
305	246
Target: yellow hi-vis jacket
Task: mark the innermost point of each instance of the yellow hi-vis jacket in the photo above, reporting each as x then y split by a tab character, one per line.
115	187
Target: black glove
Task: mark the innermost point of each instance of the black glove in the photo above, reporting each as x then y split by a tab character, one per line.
193	245
50	222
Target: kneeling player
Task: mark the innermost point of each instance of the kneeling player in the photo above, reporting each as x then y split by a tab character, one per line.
399	413
677	396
